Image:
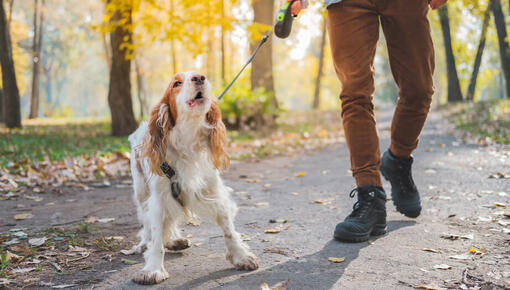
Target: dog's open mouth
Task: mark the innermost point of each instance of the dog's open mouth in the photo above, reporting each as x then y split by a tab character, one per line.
197	100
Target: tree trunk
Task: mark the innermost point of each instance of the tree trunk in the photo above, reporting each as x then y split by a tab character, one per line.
36	57
454	92
478	59
262	65
11	4
107	51
504	49
119	93
11	104
1	105
316	96
140	88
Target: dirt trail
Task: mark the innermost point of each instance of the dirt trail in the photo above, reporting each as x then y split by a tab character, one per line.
458	198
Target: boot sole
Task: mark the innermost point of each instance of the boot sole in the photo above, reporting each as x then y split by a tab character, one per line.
377	230
411	213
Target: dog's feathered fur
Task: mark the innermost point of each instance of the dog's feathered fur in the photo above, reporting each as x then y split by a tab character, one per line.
187	132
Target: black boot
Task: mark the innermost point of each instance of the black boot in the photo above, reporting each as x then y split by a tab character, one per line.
404	193
367	218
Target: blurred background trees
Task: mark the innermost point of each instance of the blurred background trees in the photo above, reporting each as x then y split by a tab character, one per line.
113	59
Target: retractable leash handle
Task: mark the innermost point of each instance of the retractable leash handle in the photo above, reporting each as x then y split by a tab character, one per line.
283	22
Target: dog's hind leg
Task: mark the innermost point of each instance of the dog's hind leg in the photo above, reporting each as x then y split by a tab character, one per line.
173	240
238	253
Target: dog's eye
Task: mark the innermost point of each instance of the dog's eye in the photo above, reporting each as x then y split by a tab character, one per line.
177	83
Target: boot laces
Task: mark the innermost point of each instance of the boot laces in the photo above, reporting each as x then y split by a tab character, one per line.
360	208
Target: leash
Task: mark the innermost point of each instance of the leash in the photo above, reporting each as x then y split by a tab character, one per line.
252	56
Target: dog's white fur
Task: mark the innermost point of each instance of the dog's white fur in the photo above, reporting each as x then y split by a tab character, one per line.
188	152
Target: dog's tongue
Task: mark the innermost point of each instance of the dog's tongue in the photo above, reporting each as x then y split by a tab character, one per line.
191	103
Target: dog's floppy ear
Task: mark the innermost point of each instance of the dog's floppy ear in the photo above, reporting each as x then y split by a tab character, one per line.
161	121
217	138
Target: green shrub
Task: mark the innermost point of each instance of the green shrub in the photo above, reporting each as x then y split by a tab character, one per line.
247	110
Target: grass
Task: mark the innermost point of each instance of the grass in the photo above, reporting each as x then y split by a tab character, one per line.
484	118
4	264
44	139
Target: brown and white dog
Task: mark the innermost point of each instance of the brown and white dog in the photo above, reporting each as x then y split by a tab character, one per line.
186	131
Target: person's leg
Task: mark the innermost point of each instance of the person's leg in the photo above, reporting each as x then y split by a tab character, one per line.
353	28
407	31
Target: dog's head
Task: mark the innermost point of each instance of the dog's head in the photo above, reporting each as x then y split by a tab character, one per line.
188	97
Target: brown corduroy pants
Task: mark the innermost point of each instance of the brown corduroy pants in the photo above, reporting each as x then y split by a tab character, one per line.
353	27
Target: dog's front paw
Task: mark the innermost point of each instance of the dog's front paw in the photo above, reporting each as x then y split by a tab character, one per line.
146	277
245	261
178	244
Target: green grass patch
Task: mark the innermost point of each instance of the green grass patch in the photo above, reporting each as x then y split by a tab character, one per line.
38	141
484	118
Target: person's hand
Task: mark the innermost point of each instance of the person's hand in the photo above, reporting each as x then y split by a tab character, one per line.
297	6
434	4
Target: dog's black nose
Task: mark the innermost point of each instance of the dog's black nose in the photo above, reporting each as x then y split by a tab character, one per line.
198	79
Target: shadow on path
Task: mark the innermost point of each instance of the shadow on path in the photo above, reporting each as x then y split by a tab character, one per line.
313	271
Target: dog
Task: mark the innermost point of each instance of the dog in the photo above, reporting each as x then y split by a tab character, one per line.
186	131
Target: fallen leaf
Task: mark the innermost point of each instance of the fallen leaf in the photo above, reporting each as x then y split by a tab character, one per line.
277	251
5	281
36	242
454	237
114	238
336	260
500	204
475	251
63	286
22	216
428	287
77	249
91	220
127	252
279	286
273	230
504	223
460	257
320	201
283	221
431	250
468	237
10	257
300	174
128	262
23	270
442	267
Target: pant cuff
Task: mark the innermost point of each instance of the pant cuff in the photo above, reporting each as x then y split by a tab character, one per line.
399	152
363	179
